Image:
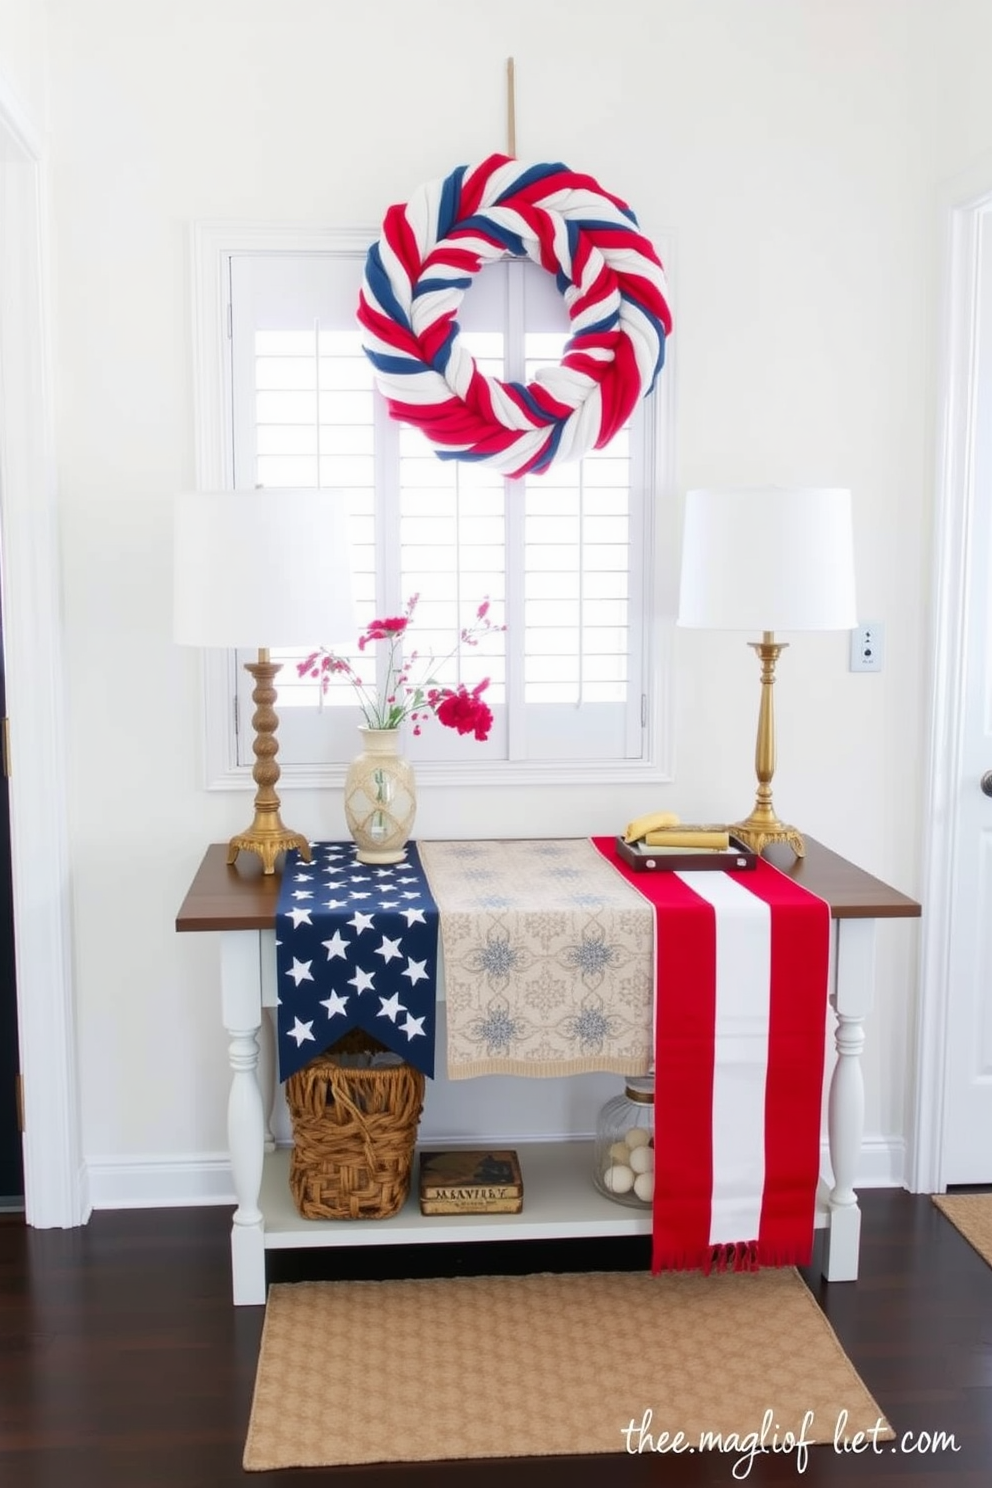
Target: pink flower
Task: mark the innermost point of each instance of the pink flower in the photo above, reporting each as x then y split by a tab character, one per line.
383	630
465	711
408	686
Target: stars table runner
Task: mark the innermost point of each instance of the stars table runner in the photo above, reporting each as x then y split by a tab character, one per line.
742	970
356	947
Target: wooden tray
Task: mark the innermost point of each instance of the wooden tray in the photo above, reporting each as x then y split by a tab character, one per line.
672	860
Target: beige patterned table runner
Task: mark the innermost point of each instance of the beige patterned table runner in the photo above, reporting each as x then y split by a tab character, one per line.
548	959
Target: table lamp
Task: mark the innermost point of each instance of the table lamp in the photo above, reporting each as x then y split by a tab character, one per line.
767	559
257	570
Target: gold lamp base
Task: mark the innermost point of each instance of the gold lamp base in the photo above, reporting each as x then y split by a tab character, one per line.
266	836
762	827
759	835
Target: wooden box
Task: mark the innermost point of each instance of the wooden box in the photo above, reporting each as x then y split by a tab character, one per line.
468	1180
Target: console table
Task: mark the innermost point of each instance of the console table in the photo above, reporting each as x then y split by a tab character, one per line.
239	902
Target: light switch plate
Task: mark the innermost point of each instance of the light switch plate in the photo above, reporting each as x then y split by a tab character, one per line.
867	646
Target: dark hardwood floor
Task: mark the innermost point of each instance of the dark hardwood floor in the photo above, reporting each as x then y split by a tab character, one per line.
123	1363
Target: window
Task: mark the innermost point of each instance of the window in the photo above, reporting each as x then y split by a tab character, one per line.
567	559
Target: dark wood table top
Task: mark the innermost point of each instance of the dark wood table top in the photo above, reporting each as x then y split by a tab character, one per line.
241	897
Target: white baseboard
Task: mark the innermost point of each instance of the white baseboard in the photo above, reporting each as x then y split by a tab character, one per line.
181	1181
882	1162
160	1182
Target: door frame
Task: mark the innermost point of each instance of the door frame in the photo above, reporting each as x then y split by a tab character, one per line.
55	1182
961	203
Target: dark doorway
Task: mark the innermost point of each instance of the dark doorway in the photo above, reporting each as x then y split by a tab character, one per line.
11	1157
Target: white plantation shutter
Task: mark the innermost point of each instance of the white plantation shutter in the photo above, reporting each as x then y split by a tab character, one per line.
563	558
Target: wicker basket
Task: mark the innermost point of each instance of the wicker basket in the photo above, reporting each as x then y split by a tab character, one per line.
354	1133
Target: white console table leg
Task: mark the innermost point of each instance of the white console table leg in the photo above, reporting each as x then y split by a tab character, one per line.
242	1005
267	1059
851	999
267	1075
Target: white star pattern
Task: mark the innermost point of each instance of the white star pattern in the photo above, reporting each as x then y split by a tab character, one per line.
334	1004
336	946
391	1007
413	1027
324	910
389	950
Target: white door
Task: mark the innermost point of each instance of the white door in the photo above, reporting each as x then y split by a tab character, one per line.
966	1127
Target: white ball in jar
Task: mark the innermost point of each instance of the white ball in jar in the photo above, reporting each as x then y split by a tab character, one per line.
638	1136
642	1160
619	1153
644	1186
619	1179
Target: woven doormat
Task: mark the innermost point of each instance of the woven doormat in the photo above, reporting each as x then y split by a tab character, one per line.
546	1365
972	1215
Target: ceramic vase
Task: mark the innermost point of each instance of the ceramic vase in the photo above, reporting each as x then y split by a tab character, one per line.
380	797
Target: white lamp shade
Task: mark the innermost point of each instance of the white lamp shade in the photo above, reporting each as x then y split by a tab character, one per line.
768	558
262	569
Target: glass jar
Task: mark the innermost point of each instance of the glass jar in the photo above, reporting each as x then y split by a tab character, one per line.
624	1147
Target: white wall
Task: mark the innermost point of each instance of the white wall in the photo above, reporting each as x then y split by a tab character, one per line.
784	144
23	26
954	40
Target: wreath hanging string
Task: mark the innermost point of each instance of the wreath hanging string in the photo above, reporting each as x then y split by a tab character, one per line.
610	277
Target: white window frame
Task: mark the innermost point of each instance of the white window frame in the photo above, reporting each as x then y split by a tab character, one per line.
211	246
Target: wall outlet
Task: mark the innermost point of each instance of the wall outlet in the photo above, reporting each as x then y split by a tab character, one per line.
867	646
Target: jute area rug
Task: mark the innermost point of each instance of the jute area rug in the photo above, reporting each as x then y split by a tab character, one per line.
547	1365
972	1215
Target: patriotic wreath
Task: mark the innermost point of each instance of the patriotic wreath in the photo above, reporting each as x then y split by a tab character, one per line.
610	277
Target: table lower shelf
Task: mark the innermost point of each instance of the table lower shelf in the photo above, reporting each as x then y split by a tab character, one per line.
560	1203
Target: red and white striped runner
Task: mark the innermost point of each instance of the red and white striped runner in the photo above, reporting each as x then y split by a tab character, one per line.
742	968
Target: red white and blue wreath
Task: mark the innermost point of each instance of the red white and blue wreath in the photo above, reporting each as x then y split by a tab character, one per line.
611	279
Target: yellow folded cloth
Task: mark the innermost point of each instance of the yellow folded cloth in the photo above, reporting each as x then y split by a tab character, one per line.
654	821
672	837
